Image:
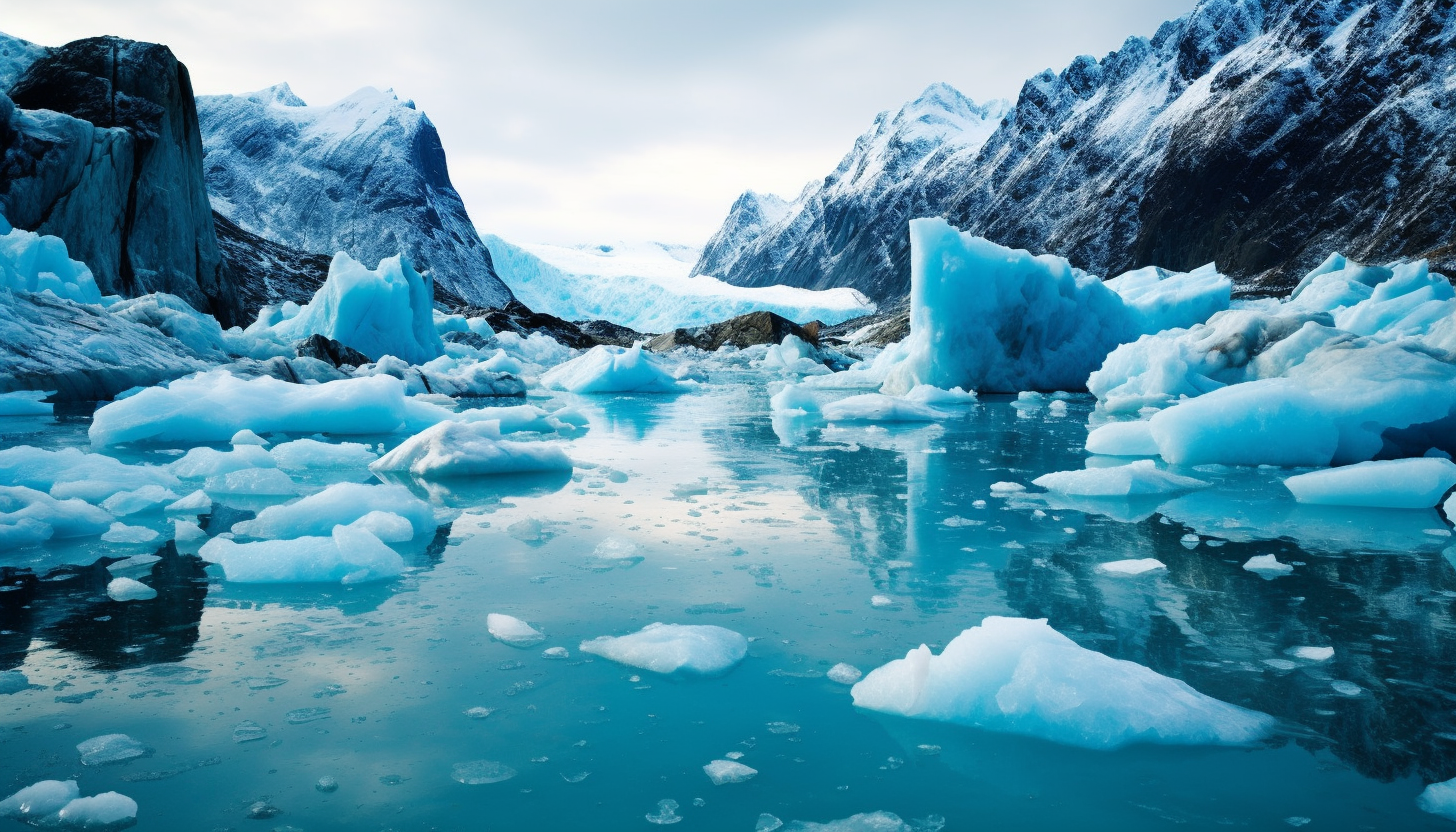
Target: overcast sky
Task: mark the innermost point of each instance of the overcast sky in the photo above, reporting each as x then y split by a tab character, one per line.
576	121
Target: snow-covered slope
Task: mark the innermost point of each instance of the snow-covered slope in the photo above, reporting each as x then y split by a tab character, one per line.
645	286
1260	134
16	56
849	228
365	175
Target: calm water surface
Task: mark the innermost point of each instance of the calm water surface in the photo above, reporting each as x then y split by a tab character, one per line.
783	531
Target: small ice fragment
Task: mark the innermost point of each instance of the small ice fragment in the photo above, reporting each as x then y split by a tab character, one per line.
844	674
122	533
147	497
723	772
186	533
248	731
575	777
481	772
108	810
695	649
1312	654
263	682
1438	799
734	755
666	813
615	548
896	565
928	750
263	810
195	503
955	521
301	716
1344	688
247	437
1136	566
1267	566
327	784
1281	664
126	589
699	802
1190	541
978	503
767	823
134	563
528	530
111	748
1057	408
264	482
513	631
479	712
555	653
782	728
39	800
1007	487
882	601
1297	821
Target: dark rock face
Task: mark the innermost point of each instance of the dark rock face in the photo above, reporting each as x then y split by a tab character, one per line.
115	169
327	349
742	331
606	332
887	326
1257	134
516	317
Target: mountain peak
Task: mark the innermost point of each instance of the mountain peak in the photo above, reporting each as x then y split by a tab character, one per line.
280	94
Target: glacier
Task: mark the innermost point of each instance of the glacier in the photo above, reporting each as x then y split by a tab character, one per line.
646	287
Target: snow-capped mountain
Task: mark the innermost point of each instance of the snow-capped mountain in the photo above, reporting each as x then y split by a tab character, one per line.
1258	134
850	228
365	175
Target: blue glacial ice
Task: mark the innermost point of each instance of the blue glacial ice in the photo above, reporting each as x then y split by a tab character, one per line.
1388	483
608	369
348	555
687	649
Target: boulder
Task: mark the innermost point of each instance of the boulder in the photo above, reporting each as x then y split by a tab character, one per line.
328	350
742	331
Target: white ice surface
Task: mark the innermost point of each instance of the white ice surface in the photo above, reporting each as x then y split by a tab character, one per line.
513	631
1390	483
1132	480
338	505
348	555
608	369
454	449
690	649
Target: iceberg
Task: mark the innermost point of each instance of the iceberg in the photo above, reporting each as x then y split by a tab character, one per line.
1390	483
1135	479
989	318
26	403
688	649
31	262
1437	798
1020	676
108	810
608	369
39	800
456	449
388	310
513	631
128	589
348	555
338	505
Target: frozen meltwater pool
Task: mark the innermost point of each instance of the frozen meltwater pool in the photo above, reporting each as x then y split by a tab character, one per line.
391	705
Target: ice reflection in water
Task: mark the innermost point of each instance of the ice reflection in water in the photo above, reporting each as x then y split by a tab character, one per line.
784	531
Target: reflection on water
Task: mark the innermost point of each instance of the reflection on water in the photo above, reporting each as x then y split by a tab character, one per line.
702	508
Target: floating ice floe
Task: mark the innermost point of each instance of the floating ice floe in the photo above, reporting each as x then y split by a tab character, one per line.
309	454
122	533
1138	566
481	772
72	472
111	748
142	499
26	403
108	810
995	319
877	407
203	462
195	503
1391	483
513	631
1350	365
608	369
256	482
39	800
1020	676
1439	799
454	449
1267	566
1312	654
128	589
338	505
348	555
666	813
724	772
844	674
1132	480
379	312
691	649
28	516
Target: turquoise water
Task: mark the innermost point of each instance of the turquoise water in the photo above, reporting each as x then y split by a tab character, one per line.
783	532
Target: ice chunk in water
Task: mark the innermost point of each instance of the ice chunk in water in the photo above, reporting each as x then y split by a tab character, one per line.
122	533
512	631
698	649
71	472
455	449
1004	488
1123	439
1388	483
1312	654
195	503
1132	480
1138	566
305	454
877	407
26	403
39	800
1437	798
844	674
52	517
339	504
870	822
555	653
480	772
723	772
387	526
1268	566
261	482
188	535
111	748
327	784
123	503
1020	676
783	728
349	555
249	731
247	437
126	589
666	813
608	369
209	462
767	823
108	810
